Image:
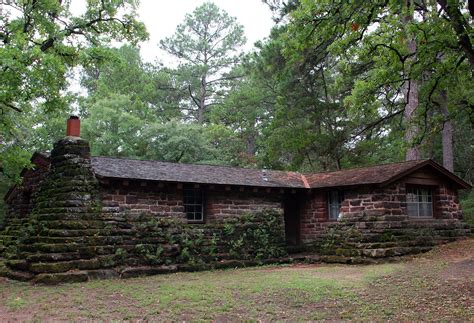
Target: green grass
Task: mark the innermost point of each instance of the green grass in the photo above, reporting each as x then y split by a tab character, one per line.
15	303
302	292
268	292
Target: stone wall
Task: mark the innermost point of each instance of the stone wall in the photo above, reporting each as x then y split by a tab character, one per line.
375	223
138	197
446	203
225	203
19	202
220	202
79	229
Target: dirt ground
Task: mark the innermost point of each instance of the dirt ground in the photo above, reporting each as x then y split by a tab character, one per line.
436	286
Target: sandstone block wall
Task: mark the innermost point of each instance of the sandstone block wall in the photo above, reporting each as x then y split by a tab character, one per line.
79	229
20	201
220	202
375	223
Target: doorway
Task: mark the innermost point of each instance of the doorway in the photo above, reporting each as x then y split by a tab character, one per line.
291	207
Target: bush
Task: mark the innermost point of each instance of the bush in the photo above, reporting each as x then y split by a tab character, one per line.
255	236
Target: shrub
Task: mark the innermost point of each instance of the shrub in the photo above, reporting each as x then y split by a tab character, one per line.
257	235
254	236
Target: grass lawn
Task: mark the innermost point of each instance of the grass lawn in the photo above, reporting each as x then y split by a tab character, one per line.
438	285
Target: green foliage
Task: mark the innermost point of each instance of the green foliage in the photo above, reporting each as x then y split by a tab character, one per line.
195	250
4	186
207	47
147	87
121	254
374	63
41	43
467	205
151	253
256	235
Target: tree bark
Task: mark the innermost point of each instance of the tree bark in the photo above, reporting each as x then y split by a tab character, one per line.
202	100
447	135
411	99
460	26
251	144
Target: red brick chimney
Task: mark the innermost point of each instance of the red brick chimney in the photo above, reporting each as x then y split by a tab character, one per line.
73	127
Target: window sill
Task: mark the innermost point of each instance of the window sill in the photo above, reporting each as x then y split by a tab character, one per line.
196	222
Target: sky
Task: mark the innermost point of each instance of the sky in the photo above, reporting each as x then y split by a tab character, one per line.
161	18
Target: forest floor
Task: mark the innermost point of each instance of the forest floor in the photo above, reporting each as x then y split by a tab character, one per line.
438	285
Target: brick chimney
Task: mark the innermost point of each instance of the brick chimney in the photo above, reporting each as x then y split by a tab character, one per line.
73	127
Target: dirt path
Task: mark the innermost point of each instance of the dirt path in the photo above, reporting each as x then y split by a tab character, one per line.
438	285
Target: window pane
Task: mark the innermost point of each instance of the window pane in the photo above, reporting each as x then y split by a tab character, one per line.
426	209
334	204
411	197
190	216
198	216
419	202
412	209
193	204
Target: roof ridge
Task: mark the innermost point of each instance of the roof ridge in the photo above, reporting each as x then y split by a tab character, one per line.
305	181
370	166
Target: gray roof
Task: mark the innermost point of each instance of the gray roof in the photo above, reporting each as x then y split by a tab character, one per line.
194	173
378	174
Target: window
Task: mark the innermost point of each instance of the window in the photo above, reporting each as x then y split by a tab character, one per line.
193	204
334	204
419	202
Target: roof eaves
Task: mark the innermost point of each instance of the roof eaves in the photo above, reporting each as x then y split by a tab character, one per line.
463	184
102	176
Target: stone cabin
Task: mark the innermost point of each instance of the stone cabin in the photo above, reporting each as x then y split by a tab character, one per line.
77	217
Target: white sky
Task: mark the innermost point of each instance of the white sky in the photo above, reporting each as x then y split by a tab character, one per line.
161	18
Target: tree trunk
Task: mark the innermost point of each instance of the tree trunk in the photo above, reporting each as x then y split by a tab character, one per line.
448	155
202	100
411	99
460	26
251	144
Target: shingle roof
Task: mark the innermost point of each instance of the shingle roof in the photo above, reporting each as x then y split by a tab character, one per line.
379	174
193	173
111	167
363	175
210	174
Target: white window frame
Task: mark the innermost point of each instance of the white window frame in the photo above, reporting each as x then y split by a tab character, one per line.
334	207
419	199
193	209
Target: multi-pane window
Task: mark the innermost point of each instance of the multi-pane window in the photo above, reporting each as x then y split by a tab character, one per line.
334	204
419	202
193	205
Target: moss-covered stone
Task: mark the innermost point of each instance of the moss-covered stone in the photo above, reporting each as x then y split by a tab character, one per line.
58	278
